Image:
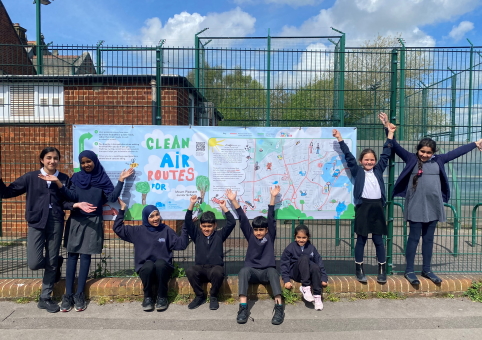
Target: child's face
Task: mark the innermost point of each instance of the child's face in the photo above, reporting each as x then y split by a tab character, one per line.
301	238
154	218
208	228
260	232
368	161
425	153
87	164
50	161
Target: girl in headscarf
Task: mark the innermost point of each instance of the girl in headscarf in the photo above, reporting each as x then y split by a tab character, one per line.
84	232
153	245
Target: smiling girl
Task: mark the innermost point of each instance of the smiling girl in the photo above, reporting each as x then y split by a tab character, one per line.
45	217
301	262
84	234
369	198
153	245
424	184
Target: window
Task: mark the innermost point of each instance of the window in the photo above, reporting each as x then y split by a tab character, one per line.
22	100
32	103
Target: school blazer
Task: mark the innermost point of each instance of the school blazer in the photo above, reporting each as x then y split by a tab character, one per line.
410	159
358	173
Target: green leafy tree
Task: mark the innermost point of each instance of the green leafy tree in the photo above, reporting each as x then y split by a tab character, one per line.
143	188
302	202
202	184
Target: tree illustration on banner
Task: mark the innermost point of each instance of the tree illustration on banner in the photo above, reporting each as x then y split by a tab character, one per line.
143	188
302	202
202	184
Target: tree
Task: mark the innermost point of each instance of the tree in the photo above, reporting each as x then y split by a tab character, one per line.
143	188
202	184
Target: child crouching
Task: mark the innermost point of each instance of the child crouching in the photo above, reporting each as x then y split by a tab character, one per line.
302	263
153	245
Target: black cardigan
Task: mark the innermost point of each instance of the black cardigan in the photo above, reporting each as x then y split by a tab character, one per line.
39	196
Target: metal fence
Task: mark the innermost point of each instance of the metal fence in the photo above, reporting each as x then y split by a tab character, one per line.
303	81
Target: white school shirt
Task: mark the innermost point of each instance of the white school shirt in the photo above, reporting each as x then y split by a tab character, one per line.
56	174
371	190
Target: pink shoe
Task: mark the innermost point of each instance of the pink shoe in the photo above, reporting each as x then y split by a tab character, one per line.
306	291
318	302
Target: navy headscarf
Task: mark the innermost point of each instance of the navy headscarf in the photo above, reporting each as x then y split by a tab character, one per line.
146	212
97	178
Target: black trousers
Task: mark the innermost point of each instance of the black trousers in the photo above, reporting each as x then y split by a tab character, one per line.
308	273
151	272
199	274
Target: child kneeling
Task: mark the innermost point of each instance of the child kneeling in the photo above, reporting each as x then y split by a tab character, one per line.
209	262
153	245
301	262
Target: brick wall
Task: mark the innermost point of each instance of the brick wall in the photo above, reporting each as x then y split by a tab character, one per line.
13	57
125	104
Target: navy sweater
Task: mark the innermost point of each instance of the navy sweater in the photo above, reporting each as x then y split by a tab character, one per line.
93	195
150	245
291	255
39	196
410	159
260	253
358	173
209	250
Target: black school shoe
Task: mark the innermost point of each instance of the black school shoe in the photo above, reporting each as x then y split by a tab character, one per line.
79	302
213	303
161	304
243	314
412	278
48	304
67	303
148	304
279	315
198	301
432	277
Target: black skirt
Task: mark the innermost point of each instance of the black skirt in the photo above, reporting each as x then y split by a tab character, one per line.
370	218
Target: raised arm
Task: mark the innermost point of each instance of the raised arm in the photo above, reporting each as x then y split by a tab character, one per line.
350	159
119	228
230	221
179	242
190	227
387	149
460	151
114	195
271	219
243	219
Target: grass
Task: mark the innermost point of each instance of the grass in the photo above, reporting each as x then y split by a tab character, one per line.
35	296
474	292
390	295
175	297
290	297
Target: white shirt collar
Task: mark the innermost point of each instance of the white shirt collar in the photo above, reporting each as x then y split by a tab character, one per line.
43	172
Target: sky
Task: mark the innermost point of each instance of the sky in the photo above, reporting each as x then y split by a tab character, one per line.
443	23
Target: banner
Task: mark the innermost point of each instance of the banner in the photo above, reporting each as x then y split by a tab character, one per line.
172	163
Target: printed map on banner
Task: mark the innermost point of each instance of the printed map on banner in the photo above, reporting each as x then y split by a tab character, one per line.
172	163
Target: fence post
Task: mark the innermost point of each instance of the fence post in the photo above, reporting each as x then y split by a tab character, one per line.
471	80
268	82
159	61
391	166
401	130
456	228
474	223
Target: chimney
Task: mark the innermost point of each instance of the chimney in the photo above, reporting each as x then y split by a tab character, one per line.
21	33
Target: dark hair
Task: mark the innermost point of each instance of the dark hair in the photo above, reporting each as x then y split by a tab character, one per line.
366	151
302	228
260	222
429	142
207	217
46	151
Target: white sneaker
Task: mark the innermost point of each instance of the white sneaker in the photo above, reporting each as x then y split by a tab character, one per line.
306	291
318	302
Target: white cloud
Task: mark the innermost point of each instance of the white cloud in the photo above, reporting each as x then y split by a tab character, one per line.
292	3
180	29
459	31
369	18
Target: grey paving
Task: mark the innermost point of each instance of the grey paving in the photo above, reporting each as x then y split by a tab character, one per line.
376	319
